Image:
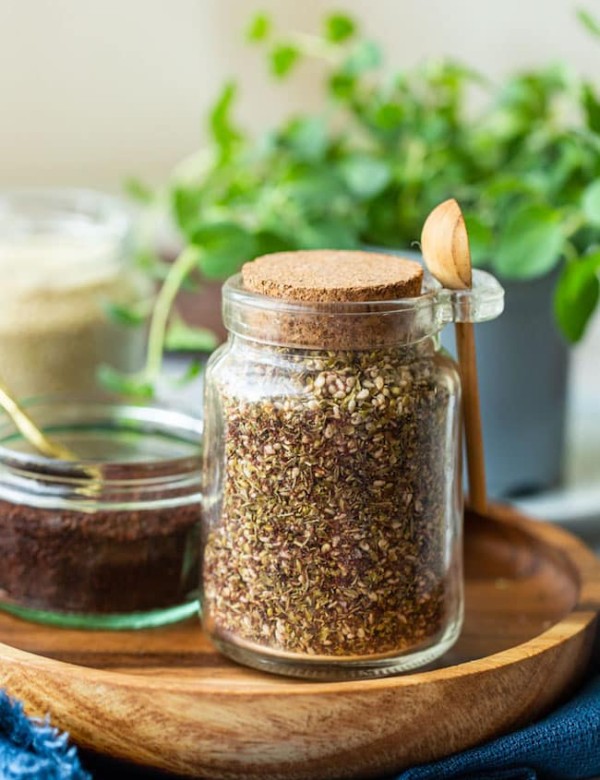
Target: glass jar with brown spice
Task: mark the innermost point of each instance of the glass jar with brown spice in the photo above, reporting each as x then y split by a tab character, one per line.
331	534
109	541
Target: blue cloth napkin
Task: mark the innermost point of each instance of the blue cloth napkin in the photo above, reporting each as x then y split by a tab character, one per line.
31	749
565	745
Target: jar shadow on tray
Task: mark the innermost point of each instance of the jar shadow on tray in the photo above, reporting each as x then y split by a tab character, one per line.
110	541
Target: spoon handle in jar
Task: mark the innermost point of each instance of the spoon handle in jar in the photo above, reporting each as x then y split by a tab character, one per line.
29	430
465	345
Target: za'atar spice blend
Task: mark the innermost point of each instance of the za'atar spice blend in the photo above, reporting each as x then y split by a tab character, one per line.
332	497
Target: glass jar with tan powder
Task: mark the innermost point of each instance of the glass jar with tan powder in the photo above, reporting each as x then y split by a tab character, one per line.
64	259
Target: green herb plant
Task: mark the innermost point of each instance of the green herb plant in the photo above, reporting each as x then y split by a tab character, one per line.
384	150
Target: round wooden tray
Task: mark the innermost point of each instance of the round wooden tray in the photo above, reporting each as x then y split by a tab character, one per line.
165	698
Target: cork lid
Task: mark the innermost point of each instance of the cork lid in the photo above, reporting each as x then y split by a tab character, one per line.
330	275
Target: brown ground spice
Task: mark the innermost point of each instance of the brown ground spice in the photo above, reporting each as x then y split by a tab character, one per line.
98	562
331	534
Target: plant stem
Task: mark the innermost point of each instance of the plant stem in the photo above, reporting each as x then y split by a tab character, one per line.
185	263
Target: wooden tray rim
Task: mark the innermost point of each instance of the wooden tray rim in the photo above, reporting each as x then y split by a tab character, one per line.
575	622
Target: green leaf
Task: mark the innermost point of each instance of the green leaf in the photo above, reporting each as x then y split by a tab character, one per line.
137	190
389	116
339	27
366	56
327	234
268	241
480	239
132	316
222	127
259	28
130	385
591	105
224	247
307	137
591	203
531	243
186	205
282	59
577	295
313	192
193	370
341	85
506	184
365	176
572	156
589	22
181	337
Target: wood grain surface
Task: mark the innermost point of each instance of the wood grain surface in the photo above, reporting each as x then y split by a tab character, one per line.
467	365
165	698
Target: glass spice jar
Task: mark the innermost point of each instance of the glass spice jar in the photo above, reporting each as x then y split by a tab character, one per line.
331	541
110	541
66	257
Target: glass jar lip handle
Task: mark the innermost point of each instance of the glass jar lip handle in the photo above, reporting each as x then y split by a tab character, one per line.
482	302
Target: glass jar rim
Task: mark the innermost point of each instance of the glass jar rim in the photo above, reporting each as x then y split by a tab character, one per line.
91	213
100	481
275	321
234	291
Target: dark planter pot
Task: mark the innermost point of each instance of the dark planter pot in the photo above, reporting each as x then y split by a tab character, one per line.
523	367
203	308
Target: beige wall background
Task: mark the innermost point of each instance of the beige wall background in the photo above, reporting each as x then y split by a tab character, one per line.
94	90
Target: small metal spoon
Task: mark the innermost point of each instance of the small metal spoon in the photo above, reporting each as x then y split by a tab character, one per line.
445	247
42	443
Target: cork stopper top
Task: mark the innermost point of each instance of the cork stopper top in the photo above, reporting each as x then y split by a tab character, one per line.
330	275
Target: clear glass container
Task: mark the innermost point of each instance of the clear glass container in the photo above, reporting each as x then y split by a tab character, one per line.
66	256
109	541
332	508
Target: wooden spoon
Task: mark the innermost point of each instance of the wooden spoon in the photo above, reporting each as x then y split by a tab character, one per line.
445	247
30	431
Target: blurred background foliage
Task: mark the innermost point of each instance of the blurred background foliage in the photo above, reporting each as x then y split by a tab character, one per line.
521	156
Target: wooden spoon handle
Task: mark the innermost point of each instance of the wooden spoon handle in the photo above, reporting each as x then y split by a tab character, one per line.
465	346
